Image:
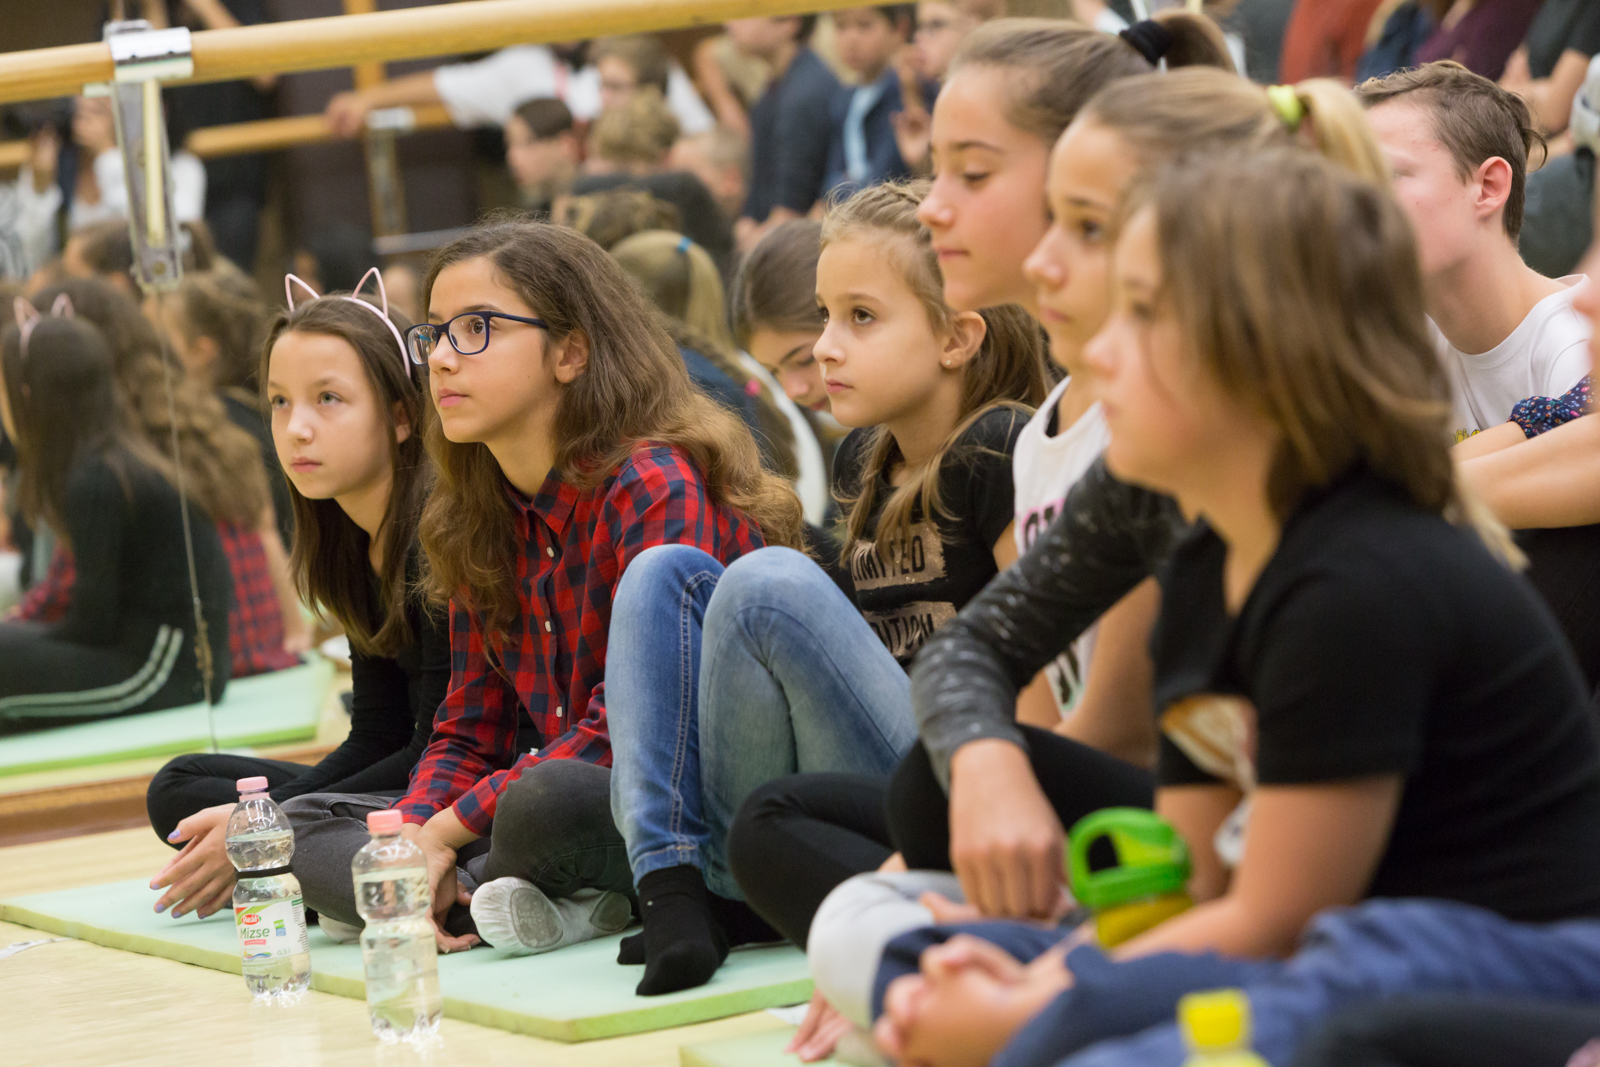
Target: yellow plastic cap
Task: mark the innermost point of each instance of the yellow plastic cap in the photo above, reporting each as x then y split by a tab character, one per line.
1218	1021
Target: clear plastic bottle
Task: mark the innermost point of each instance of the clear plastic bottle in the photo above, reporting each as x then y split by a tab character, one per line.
267	908
397	947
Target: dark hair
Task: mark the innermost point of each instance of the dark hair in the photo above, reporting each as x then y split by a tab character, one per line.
808	26
330	558
546	116
776	287
1059	65
222	468
225	306
641	51
633	389
343	253
107	247
63	401
1473	118
899	15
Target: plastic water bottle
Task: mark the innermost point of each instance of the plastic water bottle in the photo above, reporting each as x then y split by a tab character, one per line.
1216	1029
267	908
397	947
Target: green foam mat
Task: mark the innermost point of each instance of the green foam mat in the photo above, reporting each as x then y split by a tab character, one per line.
752	1050
266	709
574	994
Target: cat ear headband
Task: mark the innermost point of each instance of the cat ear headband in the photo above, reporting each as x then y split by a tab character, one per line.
290	281
28	317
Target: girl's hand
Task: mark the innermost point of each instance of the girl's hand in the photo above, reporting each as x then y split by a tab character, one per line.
447	892
44	157
819	1031
200	878
1006	844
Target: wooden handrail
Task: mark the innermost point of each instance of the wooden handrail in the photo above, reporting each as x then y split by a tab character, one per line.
413	33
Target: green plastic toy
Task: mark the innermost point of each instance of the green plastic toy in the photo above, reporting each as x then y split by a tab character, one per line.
1148	884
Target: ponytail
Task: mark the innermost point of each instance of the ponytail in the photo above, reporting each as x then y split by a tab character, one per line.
1192	110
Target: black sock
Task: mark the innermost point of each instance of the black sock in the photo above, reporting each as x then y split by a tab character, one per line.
630	951
683	944
740	922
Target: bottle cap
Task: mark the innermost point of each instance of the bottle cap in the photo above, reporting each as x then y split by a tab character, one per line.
257	784
1151	859
1218	1021
385	822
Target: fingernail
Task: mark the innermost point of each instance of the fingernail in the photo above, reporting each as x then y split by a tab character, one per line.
153	884
172	836
159	907
176	913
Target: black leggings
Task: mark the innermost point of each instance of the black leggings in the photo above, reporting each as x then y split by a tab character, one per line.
1075	779
1451	1031
203	780
46	682
798	837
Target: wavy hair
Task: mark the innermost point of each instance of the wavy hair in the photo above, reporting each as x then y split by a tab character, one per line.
633	390
222	467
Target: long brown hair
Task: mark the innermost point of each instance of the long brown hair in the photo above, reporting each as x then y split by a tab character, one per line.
1297	284
222	468
680	278
329	559
224	305
634	389
776	287
1008	370
63	400
1201	109
1056	65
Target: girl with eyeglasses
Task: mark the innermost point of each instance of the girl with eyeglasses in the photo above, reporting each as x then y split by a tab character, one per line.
346	407
567	440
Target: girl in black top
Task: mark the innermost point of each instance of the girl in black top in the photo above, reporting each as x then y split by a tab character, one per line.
347	410
127	643
1356	697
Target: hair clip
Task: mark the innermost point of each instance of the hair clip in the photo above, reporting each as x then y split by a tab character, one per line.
291	280
1286	102
1150	39
683	246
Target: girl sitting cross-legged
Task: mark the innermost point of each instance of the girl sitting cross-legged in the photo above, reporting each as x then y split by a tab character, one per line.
567	440
726	677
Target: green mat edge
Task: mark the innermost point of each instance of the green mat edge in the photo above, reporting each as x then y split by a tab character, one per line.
178	748
617	1024
748	1050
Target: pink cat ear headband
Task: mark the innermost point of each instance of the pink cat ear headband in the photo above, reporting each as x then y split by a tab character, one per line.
290	281
28	316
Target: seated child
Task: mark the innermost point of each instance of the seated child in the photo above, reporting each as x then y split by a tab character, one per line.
348	408
1334	659
130	641
568	440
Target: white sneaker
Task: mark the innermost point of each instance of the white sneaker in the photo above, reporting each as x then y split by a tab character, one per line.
512	913
343	933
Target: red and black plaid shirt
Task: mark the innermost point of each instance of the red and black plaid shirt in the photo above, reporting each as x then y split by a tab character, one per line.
255	622
548	672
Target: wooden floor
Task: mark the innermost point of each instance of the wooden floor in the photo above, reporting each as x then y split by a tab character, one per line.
72	1003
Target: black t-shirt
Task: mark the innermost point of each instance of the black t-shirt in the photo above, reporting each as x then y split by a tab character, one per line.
1381	640
125	527
943	564
1562	26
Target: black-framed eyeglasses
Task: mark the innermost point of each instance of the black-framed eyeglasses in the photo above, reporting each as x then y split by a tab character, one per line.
468	333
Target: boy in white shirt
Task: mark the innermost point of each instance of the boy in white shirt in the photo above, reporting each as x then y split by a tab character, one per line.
1458	145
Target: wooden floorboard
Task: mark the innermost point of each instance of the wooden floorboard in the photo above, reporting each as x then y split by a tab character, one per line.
74	1004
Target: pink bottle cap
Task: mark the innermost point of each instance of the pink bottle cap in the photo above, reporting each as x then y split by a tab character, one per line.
388	821
257	784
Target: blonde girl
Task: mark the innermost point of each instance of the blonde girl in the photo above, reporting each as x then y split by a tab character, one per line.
785	673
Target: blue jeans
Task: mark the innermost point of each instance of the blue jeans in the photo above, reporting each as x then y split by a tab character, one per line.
718	681
1121	1014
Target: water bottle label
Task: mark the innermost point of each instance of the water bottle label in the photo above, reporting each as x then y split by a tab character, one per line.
271	931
